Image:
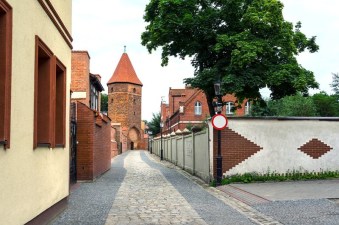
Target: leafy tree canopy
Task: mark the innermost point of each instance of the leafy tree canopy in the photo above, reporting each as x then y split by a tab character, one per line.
326	105
104	102
296	105
154	124
335	83
320	104
246	44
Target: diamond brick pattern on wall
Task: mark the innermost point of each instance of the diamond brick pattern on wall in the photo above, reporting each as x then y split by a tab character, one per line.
234	149
315	148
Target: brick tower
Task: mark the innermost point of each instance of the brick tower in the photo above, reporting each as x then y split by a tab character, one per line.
124	104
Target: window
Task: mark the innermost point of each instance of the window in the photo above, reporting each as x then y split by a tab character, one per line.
49	98
60	104
197	108
247	108
5	72
94	99
229	108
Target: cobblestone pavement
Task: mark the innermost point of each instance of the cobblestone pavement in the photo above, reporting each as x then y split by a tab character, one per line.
140	190
147	197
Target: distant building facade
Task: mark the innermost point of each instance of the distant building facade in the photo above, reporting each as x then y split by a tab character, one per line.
187	107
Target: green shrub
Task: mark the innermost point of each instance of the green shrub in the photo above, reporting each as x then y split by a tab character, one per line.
274	176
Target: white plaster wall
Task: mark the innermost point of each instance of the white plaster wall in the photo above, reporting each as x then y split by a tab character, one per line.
188	140
280	140
174	149
64	10
180	146
31	181
201	156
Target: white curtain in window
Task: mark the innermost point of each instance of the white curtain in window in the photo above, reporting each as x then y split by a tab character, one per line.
197	108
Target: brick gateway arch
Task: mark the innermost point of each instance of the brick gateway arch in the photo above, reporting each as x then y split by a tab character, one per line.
134	137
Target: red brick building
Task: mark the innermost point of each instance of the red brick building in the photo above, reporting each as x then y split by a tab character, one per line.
187	107
91	147
124	105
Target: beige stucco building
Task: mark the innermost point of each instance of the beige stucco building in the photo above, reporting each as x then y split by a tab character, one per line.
35	69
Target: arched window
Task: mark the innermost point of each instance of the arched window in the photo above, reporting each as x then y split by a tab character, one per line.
229	108
134	90
197	108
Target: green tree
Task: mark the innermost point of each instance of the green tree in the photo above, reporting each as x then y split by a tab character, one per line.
296	105
326	105
335	83
104	102
154	124
246	44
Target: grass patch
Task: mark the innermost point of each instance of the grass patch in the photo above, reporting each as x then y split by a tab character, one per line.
277	177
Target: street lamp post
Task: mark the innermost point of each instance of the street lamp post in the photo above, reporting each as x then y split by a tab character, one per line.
151	144
149	132
218	110
161	150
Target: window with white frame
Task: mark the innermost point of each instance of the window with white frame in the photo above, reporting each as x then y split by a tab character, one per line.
197	108
247	108
229	108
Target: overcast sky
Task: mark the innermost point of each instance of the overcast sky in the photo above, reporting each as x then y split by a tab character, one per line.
103	27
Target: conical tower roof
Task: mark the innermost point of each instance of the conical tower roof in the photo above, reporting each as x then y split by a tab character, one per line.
124	72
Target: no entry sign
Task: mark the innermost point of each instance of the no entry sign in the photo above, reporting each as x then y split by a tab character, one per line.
219	122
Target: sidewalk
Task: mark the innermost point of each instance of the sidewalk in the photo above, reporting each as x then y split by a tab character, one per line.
293	190
299	202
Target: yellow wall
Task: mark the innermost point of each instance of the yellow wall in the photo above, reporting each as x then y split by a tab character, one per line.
31	181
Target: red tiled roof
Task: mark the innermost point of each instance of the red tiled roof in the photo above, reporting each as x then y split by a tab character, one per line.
124	72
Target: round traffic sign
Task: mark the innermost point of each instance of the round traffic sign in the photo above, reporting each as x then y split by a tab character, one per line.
219	122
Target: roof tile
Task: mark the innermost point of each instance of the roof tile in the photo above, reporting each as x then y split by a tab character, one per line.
124	72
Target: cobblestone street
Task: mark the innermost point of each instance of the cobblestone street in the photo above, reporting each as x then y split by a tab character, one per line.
140	190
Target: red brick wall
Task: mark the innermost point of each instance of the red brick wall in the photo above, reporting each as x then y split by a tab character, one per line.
234	149
94	144
80	74
189	114
102	145
85	138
